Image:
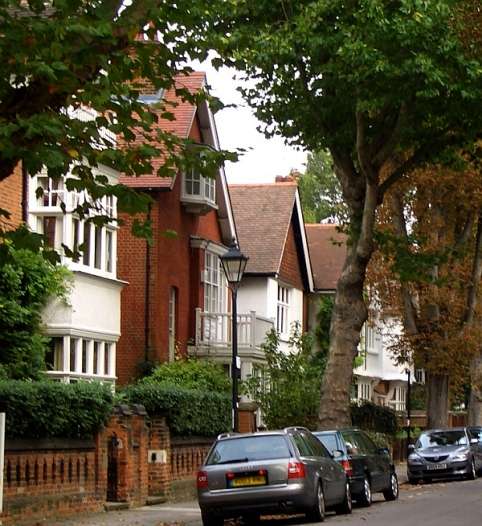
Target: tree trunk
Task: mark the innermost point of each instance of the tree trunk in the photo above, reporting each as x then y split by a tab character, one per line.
438	400
475	402
349	315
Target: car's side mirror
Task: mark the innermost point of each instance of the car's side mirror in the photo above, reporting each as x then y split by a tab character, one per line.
474	441
383	451
411	447
337	453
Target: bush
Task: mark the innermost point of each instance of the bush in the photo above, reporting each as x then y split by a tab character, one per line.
48	409
373	417
196	374
188	411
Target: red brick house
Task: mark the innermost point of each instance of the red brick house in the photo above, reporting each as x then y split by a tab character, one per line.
178	274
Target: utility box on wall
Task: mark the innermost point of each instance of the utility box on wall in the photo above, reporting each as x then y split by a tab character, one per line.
157	456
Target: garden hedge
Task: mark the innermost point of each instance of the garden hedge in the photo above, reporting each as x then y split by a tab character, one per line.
373	417
188	411
49	409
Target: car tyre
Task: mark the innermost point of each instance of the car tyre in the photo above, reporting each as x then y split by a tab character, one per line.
391	493
209	519
365	497
346	506
473	471
317	512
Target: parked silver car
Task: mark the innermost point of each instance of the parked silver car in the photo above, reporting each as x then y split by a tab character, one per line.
441	453
270	472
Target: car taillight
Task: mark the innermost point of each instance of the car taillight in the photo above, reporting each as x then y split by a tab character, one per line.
346	465
296	470
202	480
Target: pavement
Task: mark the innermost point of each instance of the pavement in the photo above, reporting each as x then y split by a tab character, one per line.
182	513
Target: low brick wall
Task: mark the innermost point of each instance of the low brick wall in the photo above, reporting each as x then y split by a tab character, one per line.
187	455
45	478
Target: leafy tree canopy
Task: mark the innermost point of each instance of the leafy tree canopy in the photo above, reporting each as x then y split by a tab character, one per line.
320	191
60	56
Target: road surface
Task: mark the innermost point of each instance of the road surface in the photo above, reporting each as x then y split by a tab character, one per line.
457	503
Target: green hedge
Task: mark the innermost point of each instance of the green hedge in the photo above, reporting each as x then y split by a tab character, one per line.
373	417
49	409
189	412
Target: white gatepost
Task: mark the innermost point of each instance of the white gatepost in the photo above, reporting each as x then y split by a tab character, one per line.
2	455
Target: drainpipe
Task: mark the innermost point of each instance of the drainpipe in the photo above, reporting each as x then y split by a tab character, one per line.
24	193
147	327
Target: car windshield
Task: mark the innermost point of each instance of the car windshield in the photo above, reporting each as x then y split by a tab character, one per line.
329	441
245	449
442	438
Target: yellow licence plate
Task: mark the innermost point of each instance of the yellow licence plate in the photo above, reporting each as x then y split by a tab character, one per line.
248	481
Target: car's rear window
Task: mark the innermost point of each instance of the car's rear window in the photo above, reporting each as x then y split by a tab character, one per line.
245	449
329	441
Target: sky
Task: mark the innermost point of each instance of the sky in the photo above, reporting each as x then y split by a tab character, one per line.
266	158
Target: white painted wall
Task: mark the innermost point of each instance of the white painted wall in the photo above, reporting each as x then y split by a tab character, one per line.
92	309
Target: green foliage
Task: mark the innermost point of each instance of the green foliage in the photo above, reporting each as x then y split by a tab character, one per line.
50	409
27	282
418	397
320	191
380	439
75	54
287	388
188	411
370	416
201	375
322	331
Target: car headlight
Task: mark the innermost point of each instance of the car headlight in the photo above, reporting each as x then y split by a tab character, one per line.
461	455
415	459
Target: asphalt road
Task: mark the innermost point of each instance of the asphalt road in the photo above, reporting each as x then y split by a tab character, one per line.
441	504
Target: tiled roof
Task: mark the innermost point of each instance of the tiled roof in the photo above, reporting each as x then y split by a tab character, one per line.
262	214
327	252
184	113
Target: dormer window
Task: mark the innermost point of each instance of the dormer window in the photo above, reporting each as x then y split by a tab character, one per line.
198	193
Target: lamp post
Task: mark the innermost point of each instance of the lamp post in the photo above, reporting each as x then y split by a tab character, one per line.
234	263
408	404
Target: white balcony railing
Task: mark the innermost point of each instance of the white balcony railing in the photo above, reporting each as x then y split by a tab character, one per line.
214	329
68	377
397	405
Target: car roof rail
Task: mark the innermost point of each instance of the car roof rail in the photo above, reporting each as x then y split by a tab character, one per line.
295	428
227	435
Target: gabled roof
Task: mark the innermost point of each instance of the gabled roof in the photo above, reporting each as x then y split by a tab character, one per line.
327	250
184	113
263	215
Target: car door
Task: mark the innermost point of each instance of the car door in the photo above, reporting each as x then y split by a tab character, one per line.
381	461
476	433
334	469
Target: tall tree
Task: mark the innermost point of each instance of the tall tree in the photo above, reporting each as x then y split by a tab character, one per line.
320	191
384	86
64	55
431	239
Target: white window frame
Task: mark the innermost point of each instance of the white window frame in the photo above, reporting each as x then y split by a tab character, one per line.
283	309
205	191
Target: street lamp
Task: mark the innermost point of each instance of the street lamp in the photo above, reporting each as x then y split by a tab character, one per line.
234	263
408	406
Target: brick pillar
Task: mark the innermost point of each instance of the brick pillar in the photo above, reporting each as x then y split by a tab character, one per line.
159	457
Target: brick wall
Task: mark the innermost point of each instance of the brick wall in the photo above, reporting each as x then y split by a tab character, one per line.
159	457
11	198
187	455
55	478
174	264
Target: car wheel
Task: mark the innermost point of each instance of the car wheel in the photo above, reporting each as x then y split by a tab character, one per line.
473	472
209	519
346	506
365	497
391	493
317	512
